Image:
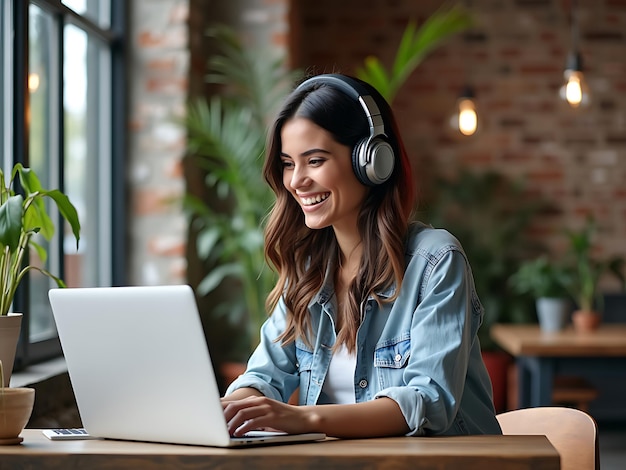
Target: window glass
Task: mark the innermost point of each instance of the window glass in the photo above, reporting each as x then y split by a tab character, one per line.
96	10
86	160
64	92
43	153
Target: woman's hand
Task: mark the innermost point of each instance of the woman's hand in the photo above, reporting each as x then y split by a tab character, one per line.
262	413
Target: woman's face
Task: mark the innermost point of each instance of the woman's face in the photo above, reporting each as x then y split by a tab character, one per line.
317	171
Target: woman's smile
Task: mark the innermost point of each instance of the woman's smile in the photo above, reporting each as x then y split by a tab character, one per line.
308	201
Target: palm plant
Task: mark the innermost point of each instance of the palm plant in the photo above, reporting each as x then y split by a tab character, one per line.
415	45
226	137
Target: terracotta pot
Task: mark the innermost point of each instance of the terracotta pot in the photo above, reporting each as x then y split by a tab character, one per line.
16	406
585	321
10	326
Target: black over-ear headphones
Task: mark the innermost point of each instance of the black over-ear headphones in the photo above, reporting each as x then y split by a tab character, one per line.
373	158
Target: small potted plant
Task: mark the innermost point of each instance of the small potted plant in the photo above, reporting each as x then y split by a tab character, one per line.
23	217
547	283
587	273
16	406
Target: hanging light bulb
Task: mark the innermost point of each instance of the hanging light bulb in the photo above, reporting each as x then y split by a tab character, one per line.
465	117
575	90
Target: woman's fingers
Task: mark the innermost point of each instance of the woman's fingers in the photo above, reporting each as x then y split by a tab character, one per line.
255	413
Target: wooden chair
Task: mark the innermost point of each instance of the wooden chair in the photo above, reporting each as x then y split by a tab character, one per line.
572	432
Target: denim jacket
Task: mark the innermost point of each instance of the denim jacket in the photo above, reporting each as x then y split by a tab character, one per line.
421	351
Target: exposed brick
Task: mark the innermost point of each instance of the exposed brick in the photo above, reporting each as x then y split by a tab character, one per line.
153	201
167	85
165	245
148	39
546	175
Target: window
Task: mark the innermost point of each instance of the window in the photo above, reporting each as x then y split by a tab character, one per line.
61	62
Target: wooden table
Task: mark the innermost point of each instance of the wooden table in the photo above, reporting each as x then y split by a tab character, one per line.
466	452
540	356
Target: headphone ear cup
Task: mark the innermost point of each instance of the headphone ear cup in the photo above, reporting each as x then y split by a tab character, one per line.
373	161
358	161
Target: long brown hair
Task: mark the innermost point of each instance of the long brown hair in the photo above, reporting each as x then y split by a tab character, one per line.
301	255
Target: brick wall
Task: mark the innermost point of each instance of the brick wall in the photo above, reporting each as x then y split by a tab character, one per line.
158	68
514	58
168	54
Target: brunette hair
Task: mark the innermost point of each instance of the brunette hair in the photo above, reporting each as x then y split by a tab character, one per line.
301	255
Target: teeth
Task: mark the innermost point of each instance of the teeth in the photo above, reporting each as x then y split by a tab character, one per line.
309	201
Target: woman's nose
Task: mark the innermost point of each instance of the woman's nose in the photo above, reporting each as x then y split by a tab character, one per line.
299	178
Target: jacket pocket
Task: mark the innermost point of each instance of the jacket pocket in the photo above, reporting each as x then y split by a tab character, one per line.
390	360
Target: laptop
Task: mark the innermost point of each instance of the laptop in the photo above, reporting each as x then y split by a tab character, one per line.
140	367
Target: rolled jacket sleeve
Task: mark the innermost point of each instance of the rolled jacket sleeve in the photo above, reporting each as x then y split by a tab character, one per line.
441	341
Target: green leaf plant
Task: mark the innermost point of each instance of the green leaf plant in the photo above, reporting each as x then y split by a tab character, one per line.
415	44
21	217
588	270
541	277
225	140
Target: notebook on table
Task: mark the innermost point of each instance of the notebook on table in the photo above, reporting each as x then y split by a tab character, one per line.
140	367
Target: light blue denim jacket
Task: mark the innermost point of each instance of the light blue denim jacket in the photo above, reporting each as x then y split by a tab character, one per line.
421	351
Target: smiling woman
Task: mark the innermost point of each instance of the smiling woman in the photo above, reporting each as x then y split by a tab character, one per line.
374	318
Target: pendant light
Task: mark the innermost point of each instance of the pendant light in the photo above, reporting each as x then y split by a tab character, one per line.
465	117
575	90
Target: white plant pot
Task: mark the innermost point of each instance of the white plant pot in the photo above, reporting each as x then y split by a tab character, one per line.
553	313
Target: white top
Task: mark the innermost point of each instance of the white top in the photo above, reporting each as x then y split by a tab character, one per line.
339	383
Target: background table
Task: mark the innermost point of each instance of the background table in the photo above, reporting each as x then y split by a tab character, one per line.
540	356
497	452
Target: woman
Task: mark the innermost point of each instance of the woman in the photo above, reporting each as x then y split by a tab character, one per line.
373	318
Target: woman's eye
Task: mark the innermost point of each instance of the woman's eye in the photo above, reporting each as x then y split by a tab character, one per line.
316	161
287	164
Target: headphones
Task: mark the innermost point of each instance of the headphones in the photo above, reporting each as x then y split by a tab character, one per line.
373	158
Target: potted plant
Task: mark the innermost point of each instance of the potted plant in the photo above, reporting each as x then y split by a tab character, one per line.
16	406
587	272
23	217
547	283
225	141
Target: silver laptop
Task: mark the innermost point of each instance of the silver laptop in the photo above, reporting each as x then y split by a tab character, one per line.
140	368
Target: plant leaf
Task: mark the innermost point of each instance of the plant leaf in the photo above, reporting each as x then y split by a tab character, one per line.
11	222
415	44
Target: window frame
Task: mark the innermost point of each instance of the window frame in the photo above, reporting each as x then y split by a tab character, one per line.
15	56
